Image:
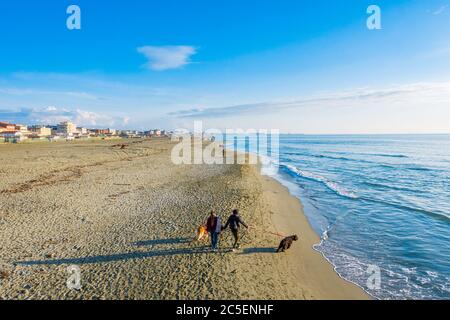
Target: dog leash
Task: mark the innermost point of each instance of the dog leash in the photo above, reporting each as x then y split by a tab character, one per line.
267	231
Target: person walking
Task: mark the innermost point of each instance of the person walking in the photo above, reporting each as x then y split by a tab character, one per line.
235	221
214	227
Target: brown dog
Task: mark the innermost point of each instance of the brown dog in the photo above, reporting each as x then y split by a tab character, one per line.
286	243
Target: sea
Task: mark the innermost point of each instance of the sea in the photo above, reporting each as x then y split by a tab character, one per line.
380	204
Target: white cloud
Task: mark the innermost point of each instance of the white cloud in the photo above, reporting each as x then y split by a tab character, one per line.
50	109
53	115
167	57
426	93
126	120
88	118
30	92
440	10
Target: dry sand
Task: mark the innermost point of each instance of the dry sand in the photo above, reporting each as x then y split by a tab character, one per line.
126	217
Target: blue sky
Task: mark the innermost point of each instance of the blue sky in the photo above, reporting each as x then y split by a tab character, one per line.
297	66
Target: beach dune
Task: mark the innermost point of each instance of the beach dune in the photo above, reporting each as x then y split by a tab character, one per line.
126	217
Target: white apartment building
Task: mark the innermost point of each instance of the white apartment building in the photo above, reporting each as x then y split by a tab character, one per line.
41	131
66	128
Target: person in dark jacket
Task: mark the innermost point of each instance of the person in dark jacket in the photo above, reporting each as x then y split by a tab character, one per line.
214	227
235	222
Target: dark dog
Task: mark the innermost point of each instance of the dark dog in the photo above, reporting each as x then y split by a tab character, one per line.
286	243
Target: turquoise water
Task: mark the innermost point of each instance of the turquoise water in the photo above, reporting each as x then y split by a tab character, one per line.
376	200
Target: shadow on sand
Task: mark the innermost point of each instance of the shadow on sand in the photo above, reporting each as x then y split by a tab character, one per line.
116	257
140	254
162	241
258	250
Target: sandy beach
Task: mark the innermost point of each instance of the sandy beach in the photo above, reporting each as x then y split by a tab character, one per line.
126	216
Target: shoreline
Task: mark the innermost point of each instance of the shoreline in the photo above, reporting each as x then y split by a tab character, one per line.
319	240
290	219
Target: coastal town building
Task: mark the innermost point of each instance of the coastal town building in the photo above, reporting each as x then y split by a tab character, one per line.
66	128
21	128
53	129
40	131
131	134
102	132
82	131
155	133
5	126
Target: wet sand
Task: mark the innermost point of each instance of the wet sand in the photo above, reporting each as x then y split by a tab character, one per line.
127	216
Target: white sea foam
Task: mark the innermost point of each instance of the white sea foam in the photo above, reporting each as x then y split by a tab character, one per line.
333	186
432	274
269	166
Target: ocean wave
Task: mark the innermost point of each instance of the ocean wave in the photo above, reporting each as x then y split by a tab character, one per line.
439	215
392	166
420	169
269	166
333	186
385	155
322	156
369	162
389	187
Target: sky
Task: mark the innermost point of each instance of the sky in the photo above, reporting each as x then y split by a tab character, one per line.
299	66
